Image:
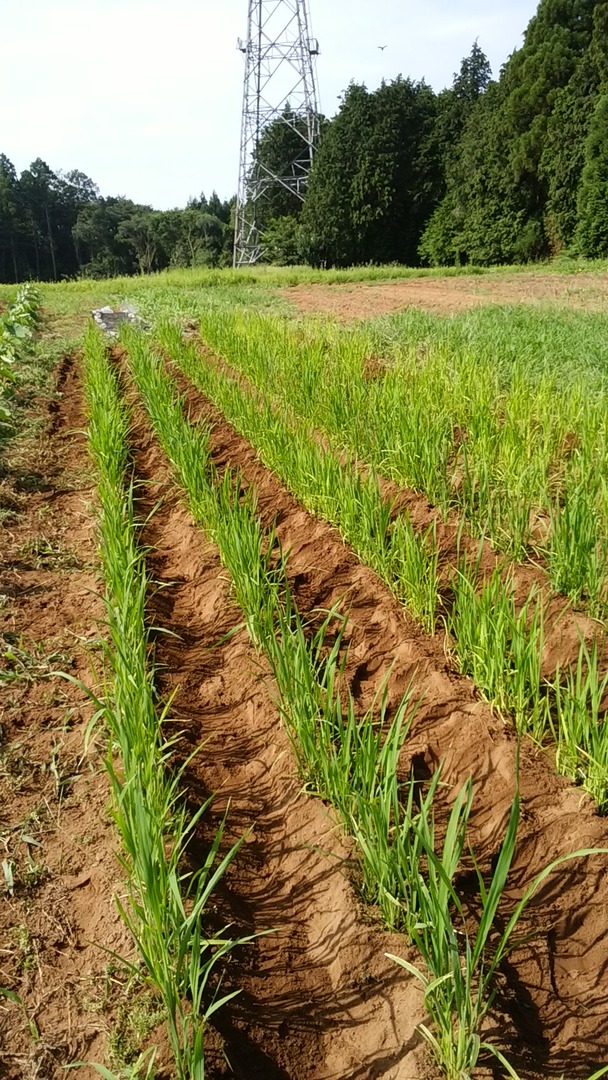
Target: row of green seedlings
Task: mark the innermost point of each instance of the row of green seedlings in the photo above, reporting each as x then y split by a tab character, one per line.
524	462
165	900
353	761
17	326
497	642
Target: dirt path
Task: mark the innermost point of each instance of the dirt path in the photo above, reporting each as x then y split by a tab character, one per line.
320	1001
448	295
56	831
557	987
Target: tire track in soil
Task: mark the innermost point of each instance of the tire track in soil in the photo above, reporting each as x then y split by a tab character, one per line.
557	985
320	1000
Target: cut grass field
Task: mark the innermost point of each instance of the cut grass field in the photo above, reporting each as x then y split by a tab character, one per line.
449	841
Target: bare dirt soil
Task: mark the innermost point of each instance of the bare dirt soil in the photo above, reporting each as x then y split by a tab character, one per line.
57	910
451	294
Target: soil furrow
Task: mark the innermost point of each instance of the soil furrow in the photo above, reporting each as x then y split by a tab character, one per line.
320	1001
557	985
564	627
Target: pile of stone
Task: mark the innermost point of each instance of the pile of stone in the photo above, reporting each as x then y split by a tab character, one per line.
109	319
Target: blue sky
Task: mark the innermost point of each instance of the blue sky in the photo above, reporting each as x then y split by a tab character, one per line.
145	95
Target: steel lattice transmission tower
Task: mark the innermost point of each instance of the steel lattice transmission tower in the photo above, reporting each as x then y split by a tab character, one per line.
279	87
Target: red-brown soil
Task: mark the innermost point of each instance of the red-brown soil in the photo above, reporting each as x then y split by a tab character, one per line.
61	913
557	986
320	999
451	294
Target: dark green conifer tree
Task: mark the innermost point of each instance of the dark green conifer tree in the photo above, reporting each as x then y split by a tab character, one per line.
376	177
592	227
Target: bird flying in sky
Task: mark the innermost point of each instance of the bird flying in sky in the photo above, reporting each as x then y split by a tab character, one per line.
382	47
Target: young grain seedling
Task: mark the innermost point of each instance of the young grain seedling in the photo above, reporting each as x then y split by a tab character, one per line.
166	902
461	961
415	565
337	490
354	763
500	647
578	553
579	728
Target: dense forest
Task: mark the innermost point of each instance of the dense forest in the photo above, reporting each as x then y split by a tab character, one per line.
486	172
57	226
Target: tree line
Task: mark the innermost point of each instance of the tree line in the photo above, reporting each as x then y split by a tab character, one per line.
55	226
487	171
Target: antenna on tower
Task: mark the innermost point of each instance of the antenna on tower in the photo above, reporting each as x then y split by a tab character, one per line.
279	97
